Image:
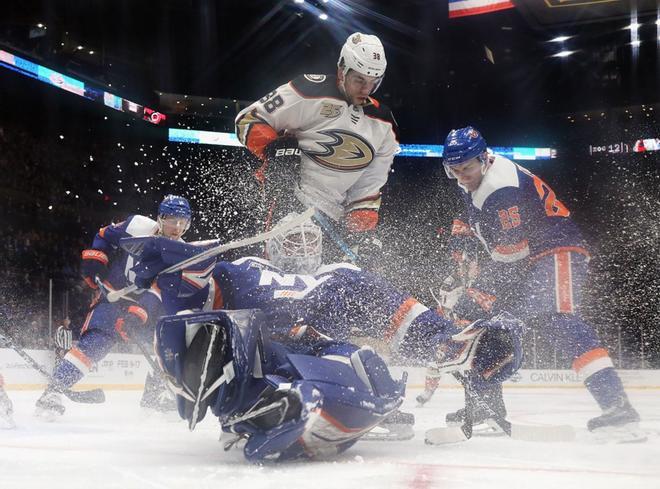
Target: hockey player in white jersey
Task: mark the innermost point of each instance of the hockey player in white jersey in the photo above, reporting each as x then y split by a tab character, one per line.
325	141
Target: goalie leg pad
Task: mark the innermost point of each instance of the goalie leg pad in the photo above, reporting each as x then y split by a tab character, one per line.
203	365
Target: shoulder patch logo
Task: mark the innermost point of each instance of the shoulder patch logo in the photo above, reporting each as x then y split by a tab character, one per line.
346	151
315	78
356	39
330	110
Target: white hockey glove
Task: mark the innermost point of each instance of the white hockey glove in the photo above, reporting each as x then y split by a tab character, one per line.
64	338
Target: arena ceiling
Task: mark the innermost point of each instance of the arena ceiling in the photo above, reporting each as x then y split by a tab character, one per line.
441	72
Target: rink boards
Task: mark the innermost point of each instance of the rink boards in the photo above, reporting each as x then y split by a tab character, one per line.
123	371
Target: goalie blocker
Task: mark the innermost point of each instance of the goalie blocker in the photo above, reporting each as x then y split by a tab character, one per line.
288	400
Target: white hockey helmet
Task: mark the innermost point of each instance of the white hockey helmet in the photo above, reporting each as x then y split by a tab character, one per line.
299	249
365	54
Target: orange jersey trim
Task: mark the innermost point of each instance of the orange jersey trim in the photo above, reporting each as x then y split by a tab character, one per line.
511	249
82	357
399	316
572	249
92	254
586	358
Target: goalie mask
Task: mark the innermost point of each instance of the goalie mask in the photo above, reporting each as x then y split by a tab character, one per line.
299	249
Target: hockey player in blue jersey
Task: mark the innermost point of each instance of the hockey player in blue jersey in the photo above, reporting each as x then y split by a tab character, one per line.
106	323
305	302
536	267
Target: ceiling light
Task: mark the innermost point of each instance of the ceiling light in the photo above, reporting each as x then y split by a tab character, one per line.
323	16
91	52
633	25
299	1
560	38
563	54
636	43
80	47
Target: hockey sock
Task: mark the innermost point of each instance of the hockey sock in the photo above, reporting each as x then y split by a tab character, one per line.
606	388
93	346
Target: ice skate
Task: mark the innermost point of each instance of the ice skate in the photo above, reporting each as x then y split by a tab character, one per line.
157	396
618	424
6	411
49	406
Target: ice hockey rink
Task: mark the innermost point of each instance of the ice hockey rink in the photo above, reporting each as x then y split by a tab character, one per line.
117	445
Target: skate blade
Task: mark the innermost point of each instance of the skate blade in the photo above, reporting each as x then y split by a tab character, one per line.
481	429
396	433
628	433
7	423
47	415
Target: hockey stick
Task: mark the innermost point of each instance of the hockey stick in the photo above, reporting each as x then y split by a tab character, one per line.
115	295
93	396
327	226
534	433
147	356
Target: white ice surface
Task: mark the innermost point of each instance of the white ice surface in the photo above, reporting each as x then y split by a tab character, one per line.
116	445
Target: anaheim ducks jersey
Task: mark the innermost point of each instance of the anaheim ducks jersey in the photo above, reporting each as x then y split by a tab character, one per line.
346	150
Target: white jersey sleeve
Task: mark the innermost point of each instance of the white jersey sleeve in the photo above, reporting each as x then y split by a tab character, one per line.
346	150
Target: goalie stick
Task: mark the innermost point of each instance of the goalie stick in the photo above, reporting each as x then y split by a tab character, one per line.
93	396
534	433
115	295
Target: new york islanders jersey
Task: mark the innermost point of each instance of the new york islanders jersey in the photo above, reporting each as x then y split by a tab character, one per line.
515	215
105	249
346	150
338	301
